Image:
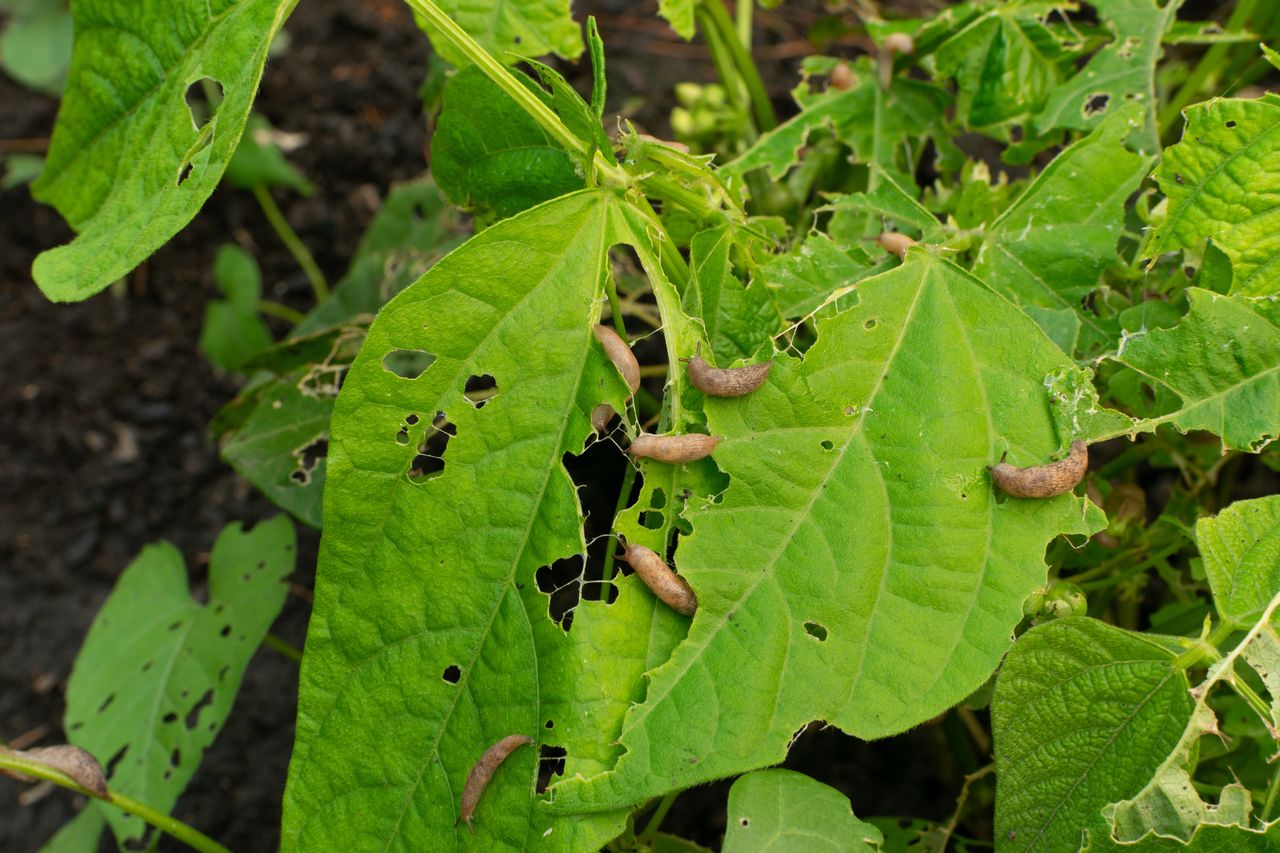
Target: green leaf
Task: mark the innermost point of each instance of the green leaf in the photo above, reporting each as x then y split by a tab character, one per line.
510	29
579	116
899	610
430	581
1121	73
128	165
680	15
1000	65
159	671
258	161
1084	714
1207	838
233	332
1241	550
887	205
490	157
739	320
1223	184
801	280
877	125
783	811
35	44
1047	251
1223	363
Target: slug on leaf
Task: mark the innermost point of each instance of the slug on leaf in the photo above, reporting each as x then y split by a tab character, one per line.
892	241
671	589
674	448
620	354
725	382
483	771
1043	481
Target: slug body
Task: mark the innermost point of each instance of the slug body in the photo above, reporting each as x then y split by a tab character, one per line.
674	448
483	771
620	354
1043	481
671	589
892	241
726	382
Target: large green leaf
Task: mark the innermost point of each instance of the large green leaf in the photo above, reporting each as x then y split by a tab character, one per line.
1084	714
490	156
782	811
1241	550
1047	251
429	625
859	545
158	673
1223	183
128	165
1122	72
1223	363
739	320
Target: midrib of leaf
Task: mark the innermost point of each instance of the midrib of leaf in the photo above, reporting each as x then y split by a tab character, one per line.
1192	199
854	432
463	370
1098	756
153	713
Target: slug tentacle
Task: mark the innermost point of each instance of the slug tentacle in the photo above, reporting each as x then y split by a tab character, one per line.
725	382
674	448
483	771
669	587
1043	481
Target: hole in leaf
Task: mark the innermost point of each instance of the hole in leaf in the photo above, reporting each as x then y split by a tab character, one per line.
194	714
551	724
562	582
106	703
175	758
226	631
1096	104
308	456
828	445
411	419
452	673
870	324
146	665
1231	124
815	630
1178	179
402	437
170	718
658	499
480	389
551	761
407	363
745	822
110	767
651	520
203	97
430	459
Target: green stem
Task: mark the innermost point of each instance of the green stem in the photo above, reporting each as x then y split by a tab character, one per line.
1273	791
284	647
191	837
1210	64
284	312
624	495
743	11
651	829
716	16
291	241
506	81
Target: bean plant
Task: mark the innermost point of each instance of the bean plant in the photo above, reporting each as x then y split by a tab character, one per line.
991	236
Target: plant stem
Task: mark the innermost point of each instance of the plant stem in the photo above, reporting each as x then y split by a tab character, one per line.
624	495
761	106
1273	790
651	829
284	647
191	837
284	312
1210	64
743	10
291	241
